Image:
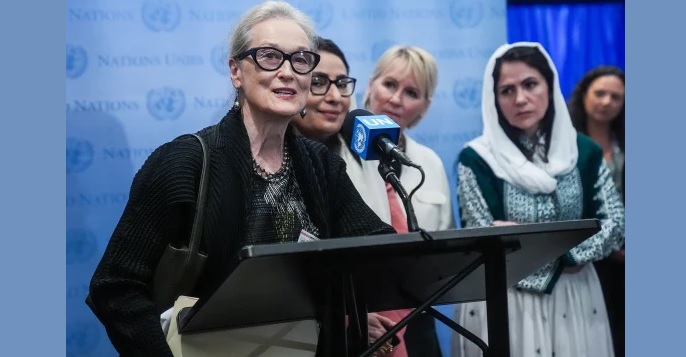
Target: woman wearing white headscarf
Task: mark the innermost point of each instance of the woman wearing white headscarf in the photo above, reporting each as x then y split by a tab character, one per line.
530	165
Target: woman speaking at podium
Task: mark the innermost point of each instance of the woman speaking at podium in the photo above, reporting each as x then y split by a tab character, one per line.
266	185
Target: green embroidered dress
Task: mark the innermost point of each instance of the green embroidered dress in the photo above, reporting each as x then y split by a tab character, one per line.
588	191
551	313
555	311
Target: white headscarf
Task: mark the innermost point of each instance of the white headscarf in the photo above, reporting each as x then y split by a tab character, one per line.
501	154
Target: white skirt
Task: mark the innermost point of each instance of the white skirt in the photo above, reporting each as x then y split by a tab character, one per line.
570	322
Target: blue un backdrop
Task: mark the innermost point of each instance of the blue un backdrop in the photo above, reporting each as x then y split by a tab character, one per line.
139	73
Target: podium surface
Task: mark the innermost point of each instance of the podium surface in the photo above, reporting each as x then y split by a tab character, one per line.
280	282
276	283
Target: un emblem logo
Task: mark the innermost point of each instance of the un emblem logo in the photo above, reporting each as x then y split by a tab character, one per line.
220	59
466	13
379	47
166	103
321	12
359	138
81	245
161	15
79	155
467	92
77	61
82	338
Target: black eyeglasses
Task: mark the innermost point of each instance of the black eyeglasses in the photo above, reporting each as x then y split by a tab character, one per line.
321	84
271	59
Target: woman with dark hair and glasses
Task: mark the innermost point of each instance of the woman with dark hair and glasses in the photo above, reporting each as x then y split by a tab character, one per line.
327	105
530	165
328	102
267	184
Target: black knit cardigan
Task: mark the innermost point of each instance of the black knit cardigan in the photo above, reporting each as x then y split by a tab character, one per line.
160	210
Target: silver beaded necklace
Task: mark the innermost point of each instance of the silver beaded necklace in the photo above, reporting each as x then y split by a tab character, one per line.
267	176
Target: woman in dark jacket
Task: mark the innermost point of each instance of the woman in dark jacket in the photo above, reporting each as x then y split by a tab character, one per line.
266	184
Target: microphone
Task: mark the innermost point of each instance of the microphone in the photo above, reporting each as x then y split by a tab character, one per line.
375	137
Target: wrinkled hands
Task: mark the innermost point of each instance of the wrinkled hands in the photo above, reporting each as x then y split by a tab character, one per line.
377	326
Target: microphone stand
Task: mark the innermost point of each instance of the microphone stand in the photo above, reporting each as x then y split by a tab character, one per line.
389	175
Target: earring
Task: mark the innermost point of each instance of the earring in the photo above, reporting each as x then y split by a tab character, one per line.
236	104
303	113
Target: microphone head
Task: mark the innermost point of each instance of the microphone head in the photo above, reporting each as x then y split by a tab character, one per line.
366	129
346	130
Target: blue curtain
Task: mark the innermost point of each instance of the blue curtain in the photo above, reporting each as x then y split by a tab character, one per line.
577	36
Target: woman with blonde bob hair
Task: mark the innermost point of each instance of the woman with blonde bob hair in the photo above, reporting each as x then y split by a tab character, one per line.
423	72
402	86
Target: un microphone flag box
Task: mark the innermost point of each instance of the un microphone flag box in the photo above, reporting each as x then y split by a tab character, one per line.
367	129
